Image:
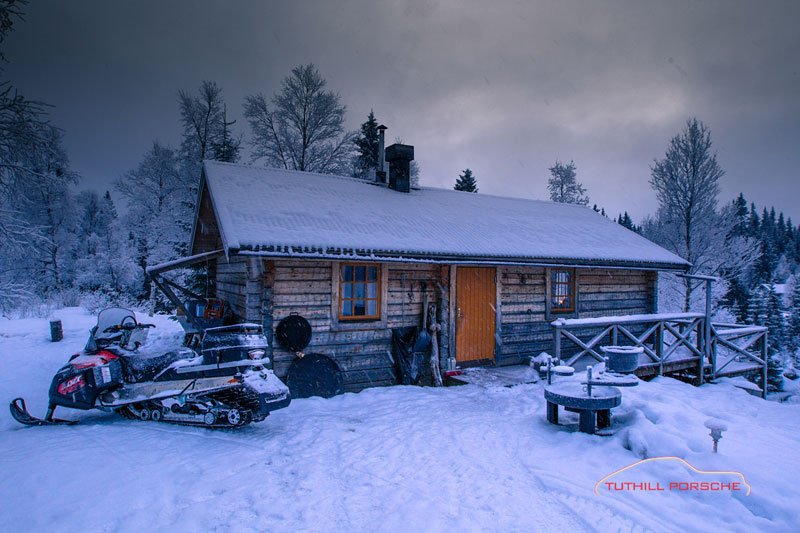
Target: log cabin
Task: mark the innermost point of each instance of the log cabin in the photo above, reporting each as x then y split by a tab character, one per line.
358	258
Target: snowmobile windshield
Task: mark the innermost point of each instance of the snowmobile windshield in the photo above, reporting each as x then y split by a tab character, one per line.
117	325
112	319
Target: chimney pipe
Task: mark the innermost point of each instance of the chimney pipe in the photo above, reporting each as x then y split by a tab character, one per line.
380	172
399	157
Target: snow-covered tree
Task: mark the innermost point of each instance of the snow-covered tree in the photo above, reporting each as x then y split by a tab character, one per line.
302	127
563	185
793	323
686	182
105	262
49	205
466	182
36	214
766	310
155	194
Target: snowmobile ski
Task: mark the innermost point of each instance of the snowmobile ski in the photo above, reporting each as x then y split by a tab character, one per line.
20	413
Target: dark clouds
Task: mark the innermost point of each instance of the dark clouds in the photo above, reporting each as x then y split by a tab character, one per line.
504	88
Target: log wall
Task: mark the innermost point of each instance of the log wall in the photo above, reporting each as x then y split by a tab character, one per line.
524	328
267	291
230	283
363	349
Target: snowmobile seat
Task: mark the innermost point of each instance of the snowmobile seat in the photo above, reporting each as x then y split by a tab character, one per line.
145	367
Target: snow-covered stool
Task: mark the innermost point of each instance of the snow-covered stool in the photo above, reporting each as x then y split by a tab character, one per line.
594	410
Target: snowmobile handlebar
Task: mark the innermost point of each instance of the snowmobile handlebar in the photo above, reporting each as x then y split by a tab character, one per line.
127	327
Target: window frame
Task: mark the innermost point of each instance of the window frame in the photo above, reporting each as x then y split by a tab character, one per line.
552	310
340	299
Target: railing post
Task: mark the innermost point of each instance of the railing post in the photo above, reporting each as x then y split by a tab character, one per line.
703	352
659	346
614	336
557	341
706	332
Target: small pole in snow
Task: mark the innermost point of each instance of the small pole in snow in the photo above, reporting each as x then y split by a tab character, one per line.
716	427
56	331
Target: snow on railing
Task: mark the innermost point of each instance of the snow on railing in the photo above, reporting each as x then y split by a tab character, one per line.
667	339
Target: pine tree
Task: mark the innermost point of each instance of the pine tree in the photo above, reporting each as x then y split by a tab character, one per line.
626	221
737	299
105	262
766	310
225	147
740	212
754	221
367	146
793	325
466	182
563	186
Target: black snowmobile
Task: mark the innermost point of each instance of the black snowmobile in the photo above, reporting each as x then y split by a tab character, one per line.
225	382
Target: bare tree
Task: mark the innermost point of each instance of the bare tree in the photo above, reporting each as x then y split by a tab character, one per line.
563	186
686	182
303	128
206	130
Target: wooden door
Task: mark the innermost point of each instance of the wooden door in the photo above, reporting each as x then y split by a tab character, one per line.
476	296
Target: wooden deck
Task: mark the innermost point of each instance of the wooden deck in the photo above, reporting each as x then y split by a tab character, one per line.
685	343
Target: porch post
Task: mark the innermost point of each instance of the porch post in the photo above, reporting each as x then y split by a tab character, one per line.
557	340
706	333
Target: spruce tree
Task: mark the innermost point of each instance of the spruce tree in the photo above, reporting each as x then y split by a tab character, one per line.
793	324
740	212
466	182
225	147
367	146
766	311
626	221
737	299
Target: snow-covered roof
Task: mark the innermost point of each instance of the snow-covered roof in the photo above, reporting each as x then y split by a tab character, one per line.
282	212
780	288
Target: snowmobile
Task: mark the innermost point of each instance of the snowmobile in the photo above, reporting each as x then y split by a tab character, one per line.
225	381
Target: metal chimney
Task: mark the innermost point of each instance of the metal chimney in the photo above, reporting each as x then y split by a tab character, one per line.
399	157
380	172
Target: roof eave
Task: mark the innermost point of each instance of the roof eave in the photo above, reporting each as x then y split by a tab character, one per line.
389	256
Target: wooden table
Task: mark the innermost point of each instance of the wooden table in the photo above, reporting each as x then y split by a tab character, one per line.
594	410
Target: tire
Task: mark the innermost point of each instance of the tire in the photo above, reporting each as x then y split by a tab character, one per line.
234	417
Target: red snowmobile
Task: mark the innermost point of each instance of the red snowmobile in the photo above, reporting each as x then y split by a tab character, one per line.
226	383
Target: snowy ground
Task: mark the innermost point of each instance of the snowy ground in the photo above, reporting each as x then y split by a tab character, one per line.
391	459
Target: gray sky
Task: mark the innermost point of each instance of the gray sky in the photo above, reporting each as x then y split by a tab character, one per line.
504	88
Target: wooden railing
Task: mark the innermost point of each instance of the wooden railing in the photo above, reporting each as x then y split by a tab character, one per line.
737	343
667	340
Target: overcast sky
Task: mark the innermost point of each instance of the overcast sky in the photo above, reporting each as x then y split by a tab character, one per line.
504	88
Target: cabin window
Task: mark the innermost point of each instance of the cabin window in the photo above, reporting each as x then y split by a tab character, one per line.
562	290
359	292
